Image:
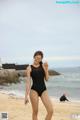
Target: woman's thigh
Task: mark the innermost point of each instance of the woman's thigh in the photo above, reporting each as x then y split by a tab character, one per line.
34	100
46	101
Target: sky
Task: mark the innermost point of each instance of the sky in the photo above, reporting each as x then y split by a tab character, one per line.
30	25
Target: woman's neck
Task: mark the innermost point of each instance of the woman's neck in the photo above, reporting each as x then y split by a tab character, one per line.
36	64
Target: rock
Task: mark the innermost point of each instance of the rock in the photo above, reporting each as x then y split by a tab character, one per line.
52	72
8	76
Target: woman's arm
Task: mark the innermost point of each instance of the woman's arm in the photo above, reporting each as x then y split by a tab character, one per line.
28	84
45	67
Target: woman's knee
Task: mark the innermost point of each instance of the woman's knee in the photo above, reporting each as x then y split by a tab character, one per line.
35	112
50	111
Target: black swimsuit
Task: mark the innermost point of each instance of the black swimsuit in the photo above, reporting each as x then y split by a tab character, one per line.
38	74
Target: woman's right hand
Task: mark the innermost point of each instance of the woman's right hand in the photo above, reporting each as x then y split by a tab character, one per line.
26	101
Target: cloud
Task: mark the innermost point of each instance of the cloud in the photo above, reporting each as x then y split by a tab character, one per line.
63	58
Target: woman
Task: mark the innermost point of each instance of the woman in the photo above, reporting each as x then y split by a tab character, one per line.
38	71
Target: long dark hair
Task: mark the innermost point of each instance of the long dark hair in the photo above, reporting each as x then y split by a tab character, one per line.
41	63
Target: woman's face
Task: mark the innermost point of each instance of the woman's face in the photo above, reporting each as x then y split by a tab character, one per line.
38	58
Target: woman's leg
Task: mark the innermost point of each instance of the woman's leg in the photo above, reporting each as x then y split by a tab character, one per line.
34	101
48	105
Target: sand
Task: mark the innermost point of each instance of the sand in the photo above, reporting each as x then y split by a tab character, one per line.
17	110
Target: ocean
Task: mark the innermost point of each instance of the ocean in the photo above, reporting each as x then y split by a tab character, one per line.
68	82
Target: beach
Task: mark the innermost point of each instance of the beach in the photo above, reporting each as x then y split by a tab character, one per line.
17	110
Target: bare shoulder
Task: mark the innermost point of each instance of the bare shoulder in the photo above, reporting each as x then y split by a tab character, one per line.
28	68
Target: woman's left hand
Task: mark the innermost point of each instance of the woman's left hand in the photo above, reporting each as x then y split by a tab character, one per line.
45	65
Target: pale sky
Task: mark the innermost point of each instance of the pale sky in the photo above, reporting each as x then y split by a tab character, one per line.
30	25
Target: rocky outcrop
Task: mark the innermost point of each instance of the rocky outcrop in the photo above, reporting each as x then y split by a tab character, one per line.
53	72
8	76
12	75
